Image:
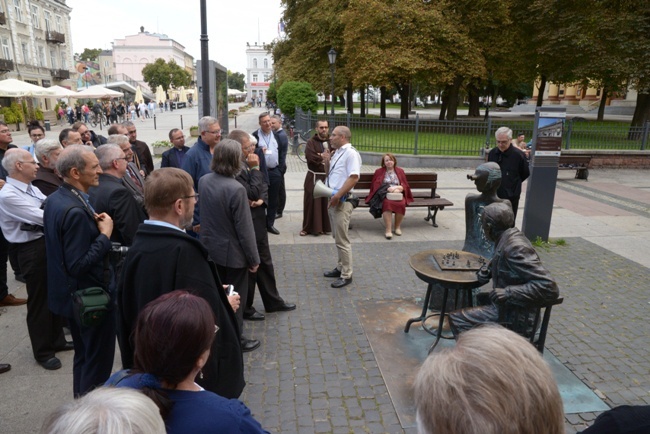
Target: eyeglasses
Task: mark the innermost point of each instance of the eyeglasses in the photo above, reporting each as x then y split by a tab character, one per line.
121	158
28	162
195	196
214	132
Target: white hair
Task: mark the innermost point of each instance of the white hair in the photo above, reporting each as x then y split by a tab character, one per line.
503	130
107	410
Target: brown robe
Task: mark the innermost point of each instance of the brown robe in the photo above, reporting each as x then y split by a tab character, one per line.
315	219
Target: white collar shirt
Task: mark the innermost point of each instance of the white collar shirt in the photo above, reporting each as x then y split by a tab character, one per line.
346	161
271	153
20	203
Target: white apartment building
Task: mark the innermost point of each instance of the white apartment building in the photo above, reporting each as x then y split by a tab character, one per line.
36	43
259	71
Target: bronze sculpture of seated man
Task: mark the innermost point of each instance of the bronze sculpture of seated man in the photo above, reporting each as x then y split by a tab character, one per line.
518	277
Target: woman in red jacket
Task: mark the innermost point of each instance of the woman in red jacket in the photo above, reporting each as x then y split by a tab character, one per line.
395	179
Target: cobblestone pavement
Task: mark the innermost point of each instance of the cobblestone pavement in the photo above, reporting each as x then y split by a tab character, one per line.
316	371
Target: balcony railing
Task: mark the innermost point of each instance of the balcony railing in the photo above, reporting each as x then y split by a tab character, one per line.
56	37
6	65
61	74
3	19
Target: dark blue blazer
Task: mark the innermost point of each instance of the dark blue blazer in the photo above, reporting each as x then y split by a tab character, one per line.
170	158
75	251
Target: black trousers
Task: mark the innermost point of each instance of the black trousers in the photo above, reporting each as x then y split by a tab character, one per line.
4	254
265	275
282	197
238	277
94	350
45	328
275	182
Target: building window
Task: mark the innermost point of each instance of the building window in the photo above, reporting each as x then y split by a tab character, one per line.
41	57
254	63
6	50
59	27
254	78
36	21
266	63
266	77
19	11
25	49
53	58
105	63
48	21
64	63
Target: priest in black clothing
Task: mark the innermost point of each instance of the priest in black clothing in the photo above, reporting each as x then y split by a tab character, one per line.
164	258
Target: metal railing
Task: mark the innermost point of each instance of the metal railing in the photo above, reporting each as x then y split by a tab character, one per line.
429	136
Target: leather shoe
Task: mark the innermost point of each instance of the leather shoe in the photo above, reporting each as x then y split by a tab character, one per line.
10	300
248	345
273	230
69	346
4	367
284	307
333	273
278	215
255	316
51	364
341	282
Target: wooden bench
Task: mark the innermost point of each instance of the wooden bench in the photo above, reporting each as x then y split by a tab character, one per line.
579	163
423	186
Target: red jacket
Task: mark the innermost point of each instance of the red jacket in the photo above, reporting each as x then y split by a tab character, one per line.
378	179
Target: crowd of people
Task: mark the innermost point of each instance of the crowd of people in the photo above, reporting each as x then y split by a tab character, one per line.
168	261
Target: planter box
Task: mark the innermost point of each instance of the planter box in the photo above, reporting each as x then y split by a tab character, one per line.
159	150
194	132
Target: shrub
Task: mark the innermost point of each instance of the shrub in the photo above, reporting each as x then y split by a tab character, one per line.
162	144
13	114
294	94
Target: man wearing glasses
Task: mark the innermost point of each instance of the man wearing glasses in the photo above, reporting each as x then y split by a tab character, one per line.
6	299
513	164
21	218
198	158
113	198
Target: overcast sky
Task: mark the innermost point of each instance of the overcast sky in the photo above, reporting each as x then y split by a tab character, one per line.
97	23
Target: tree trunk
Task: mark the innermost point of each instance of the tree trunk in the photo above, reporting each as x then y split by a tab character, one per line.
362	99
349	92
452	108
641	115
444	102
473	96
403	91
382	104
603	102
540	92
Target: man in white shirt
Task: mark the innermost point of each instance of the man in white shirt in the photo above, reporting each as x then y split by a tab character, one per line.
21	218
343	168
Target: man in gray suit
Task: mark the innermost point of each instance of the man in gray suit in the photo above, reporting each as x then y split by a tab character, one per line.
133	180
227	226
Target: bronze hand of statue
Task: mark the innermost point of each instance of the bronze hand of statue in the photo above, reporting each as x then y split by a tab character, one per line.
498	296
484	274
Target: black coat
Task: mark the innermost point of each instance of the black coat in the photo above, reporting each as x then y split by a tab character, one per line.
113	198
514	170
170	158
162	260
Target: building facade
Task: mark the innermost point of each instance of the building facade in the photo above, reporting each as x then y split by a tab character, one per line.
586	96
134	52
36	42
259	71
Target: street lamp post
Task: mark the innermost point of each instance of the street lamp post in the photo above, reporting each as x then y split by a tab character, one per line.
205	58
332	58
86	75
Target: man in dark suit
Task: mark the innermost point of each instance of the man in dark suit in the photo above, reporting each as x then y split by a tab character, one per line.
113	198
162	259
174	157
275	154
133	180
276	126
252	179
47	153
77	241
141	148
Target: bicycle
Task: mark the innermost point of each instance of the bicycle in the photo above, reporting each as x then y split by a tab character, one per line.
95	119
298	141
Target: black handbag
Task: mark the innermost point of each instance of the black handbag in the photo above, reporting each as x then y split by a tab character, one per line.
91	306
353	199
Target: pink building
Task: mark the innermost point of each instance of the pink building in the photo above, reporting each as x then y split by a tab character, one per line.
134	52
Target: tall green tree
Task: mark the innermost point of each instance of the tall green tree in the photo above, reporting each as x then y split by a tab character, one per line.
236	80
165	74
90	54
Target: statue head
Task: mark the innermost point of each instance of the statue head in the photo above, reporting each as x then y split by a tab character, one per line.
487	177
497	217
